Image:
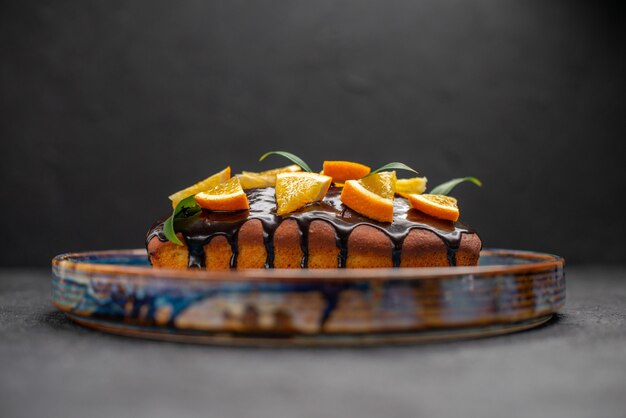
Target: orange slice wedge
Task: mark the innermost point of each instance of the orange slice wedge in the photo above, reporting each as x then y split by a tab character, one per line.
371	196
288	169
413	185
201	186
342	171
443	207
227	196
250	179
294	190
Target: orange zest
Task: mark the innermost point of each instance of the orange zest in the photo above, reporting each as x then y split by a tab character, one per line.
371	196
342	171
438	206
295	190
227	196
201	186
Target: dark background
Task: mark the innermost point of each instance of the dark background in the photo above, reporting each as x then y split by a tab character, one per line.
108	107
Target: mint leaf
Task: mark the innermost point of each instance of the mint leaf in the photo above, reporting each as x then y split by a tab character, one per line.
445	188
393	166
293	158
189	207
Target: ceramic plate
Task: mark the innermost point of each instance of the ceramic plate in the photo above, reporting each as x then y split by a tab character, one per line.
117	291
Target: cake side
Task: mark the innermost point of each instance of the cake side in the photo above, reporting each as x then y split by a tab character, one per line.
368	247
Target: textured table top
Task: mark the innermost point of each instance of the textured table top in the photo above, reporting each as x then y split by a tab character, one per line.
573	367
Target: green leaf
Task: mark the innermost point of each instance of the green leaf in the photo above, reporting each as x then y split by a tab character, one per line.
445	188
189	206
293	158
393	166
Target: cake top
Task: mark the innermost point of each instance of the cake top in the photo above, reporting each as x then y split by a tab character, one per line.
359	195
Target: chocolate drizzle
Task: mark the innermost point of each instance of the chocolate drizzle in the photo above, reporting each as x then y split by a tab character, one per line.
199	229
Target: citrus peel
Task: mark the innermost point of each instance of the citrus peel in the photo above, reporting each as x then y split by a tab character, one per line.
342	171
201	186
295	190
438	206
227	196
371	196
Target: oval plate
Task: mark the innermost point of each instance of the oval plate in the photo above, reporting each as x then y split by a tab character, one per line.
118	291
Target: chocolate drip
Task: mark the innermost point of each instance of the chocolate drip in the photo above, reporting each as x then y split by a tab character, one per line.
342	244
156	230
303	228
451	255
199	229
396	252
196	253
268	241
233	241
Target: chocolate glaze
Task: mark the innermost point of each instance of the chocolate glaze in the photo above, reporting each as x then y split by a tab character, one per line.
200	228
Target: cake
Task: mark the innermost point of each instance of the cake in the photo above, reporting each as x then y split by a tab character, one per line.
347	216
325	234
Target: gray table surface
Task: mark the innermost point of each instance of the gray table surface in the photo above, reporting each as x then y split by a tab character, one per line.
572	367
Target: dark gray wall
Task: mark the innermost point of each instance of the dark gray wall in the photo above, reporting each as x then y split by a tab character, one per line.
107	107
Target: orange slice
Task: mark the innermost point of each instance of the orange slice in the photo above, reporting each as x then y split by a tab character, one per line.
371	196
413	185
443	207
342	171
288	169
201	186
294	190
225	196
250	179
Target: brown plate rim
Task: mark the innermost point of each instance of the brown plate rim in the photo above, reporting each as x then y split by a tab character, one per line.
545	262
